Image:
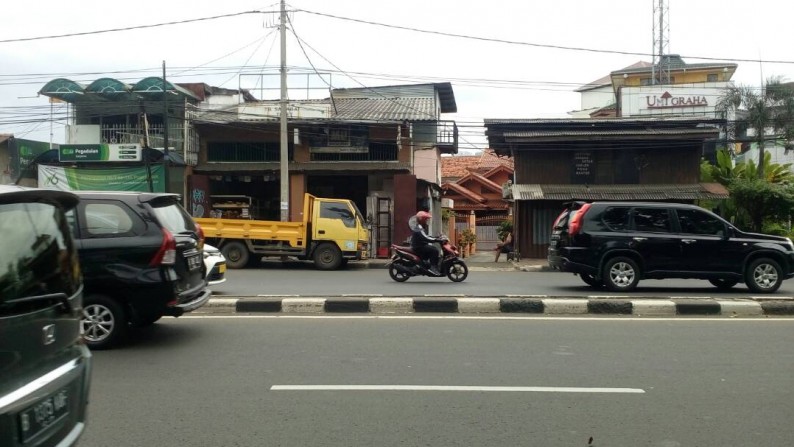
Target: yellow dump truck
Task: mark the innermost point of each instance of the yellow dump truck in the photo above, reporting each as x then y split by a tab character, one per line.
332	232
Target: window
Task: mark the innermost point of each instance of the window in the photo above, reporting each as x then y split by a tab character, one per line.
37	257
174	218
616	218
331	210
108	219
711	77
698	222
652	220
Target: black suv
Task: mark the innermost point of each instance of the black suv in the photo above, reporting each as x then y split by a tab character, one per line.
615	244
45	368
141	256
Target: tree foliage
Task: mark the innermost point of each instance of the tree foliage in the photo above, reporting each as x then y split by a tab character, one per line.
760	200
770	108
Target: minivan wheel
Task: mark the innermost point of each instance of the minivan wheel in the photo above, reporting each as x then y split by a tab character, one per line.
104	322
723	284
621	274
763	275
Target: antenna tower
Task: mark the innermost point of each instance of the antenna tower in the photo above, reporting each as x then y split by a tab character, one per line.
661	42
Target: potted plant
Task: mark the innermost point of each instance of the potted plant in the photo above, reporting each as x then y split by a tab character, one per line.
467	238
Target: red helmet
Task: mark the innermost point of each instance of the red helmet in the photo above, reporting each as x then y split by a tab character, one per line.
423	216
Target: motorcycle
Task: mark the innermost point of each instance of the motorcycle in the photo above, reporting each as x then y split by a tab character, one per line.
405	263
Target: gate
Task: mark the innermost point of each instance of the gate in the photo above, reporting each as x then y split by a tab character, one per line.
487	231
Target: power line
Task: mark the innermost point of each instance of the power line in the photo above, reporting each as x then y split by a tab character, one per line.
129	28
529	44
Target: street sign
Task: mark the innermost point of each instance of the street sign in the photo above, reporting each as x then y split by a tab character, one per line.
99	152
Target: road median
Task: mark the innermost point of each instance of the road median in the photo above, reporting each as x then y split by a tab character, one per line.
631	306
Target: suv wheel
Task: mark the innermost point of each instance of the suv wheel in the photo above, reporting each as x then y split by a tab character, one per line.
723	284
591	280
621	274
763	275
104	322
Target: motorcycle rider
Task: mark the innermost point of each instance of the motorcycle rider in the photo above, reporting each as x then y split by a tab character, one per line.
422	243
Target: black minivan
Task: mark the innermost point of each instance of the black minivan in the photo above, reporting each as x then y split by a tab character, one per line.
616	244
141	256
45	367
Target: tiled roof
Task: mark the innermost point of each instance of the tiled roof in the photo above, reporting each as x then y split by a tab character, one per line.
607	80
632	192
453	168
386	109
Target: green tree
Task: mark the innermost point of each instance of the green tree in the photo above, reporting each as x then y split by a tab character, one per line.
771	108
760	200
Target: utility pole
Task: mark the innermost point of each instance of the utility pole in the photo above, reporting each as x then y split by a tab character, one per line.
165	130
284	152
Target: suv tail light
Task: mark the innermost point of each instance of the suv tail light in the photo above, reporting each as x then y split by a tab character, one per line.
575	225
166	255
200	232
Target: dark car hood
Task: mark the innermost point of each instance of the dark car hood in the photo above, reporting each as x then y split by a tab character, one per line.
766	237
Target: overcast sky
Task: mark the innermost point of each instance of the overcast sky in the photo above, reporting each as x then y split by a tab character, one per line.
490	79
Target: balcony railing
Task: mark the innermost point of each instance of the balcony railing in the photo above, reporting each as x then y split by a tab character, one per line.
447	137
126	134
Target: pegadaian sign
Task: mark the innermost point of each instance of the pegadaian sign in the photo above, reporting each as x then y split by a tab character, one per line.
99	152
666	100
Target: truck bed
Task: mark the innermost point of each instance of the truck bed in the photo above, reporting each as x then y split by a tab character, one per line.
292	233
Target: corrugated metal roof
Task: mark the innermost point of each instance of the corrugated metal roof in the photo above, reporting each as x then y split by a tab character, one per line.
376	109
616	132
601	121
628	192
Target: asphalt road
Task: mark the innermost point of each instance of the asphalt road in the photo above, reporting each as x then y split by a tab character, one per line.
237	381
302	279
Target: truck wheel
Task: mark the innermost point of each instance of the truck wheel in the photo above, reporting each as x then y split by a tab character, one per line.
104	322
236	254
327	257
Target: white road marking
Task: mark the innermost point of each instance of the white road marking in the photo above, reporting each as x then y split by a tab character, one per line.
464	317
514	389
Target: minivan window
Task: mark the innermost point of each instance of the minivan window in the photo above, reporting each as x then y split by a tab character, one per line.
698	222
37	255
652	220
107	218
174	218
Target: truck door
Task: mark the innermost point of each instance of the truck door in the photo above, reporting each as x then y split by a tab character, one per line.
335	221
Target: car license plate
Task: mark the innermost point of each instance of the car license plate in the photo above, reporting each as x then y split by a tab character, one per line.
222	268
194	262
36	418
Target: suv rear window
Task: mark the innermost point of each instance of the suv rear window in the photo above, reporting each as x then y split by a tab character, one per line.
37	255
174	218
616	218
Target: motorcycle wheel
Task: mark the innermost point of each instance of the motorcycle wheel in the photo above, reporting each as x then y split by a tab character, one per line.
457	271
396	274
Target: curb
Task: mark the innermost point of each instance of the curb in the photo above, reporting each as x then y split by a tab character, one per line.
635	306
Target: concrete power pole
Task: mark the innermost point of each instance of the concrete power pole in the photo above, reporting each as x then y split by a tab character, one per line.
284	152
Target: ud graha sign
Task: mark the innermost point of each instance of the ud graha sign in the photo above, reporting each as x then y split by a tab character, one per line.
666	100
99	152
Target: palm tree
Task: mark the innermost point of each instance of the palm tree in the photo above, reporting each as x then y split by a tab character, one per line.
771	108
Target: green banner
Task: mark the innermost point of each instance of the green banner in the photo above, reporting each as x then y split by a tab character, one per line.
25	152
110	179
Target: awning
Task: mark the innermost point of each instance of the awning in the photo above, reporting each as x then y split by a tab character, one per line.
628	192
109	89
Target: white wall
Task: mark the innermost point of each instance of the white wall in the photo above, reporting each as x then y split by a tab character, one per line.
597	97
684	99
